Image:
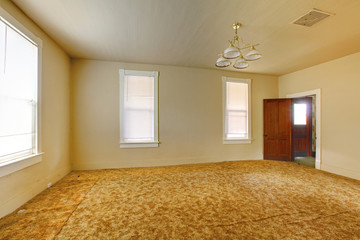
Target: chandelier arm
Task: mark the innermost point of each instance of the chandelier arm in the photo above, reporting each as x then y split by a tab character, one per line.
242	41
249	46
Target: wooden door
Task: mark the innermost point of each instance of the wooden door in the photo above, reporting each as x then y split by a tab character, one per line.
277	129
302	131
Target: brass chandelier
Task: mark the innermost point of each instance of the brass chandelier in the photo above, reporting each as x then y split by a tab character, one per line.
235	52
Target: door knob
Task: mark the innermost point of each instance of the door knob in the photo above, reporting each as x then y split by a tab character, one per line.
265	135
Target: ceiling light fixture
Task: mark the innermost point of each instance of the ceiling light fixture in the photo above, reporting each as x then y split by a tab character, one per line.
235	52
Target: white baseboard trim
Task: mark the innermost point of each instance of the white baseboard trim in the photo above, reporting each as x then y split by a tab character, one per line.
152	163
34	189
350	173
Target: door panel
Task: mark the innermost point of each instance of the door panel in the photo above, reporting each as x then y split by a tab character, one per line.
271	149
272	118
302	134
284	149
277	129
284	119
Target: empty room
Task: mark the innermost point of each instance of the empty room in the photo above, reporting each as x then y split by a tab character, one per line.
179	119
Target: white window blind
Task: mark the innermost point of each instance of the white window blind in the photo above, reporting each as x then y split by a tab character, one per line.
236	109
18	94
138	108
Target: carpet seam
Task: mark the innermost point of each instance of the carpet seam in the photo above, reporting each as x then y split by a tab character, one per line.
77	205
254	220
265	218
321	216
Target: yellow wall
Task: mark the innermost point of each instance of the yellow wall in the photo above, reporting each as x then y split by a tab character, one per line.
339	81
20	186
190	116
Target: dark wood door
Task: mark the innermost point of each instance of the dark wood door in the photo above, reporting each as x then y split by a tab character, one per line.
277	129
302	129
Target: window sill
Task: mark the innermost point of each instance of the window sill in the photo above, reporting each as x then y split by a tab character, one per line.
139	145
237	141
17	164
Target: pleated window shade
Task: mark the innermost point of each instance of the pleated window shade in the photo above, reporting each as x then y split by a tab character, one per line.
18	94
138	108
236	110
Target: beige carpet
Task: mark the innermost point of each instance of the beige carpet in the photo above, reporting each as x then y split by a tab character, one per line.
229	200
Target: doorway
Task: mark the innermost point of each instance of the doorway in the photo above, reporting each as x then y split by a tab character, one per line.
302	125
316	130
278	133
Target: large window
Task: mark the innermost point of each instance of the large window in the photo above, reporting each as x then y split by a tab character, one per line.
236	110
138	109
19	64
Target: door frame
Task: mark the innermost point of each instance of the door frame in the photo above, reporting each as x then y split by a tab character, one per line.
317	93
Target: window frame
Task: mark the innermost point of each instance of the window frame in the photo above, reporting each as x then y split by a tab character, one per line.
236	140
17	163
139	144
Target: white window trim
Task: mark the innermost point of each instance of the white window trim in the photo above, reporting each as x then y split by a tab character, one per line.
19	163
143	144
16	164
242	140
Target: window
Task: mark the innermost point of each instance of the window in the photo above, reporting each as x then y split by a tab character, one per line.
236	110
300	113
138	109
19	64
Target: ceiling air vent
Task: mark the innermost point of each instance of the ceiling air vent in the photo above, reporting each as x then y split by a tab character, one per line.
312	17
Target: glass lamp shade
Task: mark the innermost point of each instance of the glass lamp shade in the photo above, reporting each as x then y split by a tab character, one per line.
241	64
231	52
222	62
253	54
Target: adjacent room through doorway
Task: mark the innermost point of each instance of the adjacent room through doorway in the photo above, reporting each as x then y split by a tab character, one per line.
303	130
315	149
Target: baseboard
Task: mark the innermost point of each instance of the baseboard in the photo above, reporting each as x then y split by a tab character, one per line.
350	173
152	163
33	190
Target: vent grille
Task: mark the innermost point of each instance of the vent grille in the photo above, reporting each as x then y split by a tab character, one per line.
312	17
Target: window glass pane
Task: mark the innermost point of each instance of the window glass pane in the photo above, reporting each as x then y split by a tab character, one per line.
237	96
237	124
16	116
139	124
236	110
16	144
18	93
138	108
20	68
300	114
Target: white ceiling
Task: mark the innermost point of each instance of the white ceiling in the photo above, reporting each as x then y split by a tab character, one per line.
192	32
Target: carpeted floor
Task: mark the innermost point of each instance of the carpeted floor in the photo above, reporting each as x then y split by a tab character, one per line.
229	200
